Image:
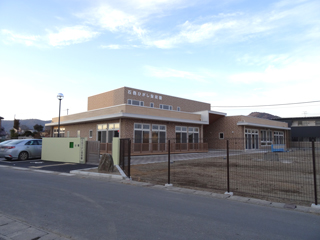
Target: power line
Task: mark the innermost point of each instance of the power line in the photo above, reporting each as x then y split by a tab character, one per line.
268	105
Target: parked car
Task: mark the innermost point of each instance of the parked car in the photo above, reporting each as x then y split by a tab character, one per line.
22	149
5	142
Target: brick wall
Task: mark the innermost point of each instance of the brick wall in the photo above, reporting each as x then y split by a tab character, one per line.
236	134
126	128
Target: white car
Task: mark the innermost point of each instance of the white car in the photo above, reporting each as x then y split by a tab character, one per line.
21	149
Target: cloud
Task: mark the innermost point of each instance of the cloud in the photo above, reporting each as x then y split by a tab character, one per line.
113	20
71	35
276	22
27	40
114	46
173	73
295	72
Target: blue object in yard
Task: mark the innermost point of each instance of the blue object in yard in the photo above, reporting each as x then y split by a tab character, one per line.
277	147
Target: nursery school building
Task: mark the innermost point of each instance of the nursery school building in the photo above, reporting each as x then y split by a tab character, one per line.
151	119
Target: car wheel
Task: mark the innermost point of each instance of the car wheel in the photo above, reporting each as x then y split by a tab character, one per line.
23	156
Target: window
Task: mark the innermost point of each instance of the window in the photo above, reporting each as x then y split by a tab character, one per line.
55	132
90	134
106	132
141	133
178	109
165	107
317	123
158	133
102	132
266	137
278	137
221	135
152	104
181	134
135	102
78	133
113	131
193	135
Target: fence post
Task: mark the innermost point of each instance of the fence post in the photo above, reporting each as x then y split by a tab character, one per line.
228	171
314	174
168	184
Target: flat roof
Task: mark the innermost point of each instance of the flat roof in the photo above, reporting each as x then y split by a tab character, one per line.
296	118
126	115
261	125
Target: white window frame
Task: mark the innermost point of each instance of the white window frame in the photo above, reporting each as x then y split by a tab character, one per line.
165	107
266	137
159	128
90	133
62	132
139	103
107	127
278	137
144	128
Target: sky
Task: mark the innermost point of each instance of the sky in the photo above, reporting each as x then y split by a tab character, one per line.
230	53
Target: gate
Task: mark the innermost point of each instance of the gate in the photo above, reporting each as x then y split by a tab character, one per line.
125	149
93	152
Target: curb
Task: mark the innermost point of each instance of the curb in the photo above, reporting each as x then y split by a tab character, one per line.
93	174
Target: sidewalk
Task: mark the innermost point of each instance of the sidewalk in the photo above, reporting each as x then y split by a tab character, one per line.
11	229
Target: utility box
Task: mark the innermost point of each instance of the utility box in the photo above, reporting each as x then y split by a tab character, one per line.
64	149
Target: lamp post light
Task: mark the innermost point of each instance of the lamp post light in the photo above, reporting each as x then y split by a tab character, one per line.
60	97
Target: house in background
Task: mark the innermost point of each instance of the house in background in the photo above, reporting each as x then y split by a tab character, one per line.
303	129
2	131
151	119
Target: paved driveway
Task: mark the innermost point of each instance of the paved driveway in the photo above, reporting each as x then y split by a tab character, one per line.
46	165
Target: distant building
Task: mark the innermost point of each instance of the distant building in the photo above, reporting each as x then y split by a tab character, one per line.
303	129
2	131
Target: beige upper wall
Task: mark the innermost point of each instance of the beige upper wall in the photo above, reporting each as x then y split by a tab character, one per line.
121	95
260	121
106	99
123	109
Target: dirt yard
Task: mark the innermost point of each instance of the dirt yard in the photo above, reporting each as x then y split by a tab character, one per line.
280	177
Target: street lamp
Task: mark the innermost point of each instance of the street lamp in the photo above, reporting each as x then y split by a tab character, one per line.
60	97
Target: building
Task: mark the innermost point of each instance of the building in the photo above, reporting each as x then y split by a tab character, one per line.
150	120
303	129
245	132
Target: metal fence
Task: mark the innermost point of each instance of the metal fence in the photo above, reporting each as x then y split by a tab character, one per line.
125	155
283	174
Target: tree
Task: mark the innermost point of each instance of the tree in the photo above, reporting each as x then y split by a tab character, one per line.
28	133
16	124
38	128
13	134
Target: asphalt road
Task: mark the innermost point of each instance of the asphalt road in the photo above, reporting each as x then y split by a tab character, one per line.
92	208
45	165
